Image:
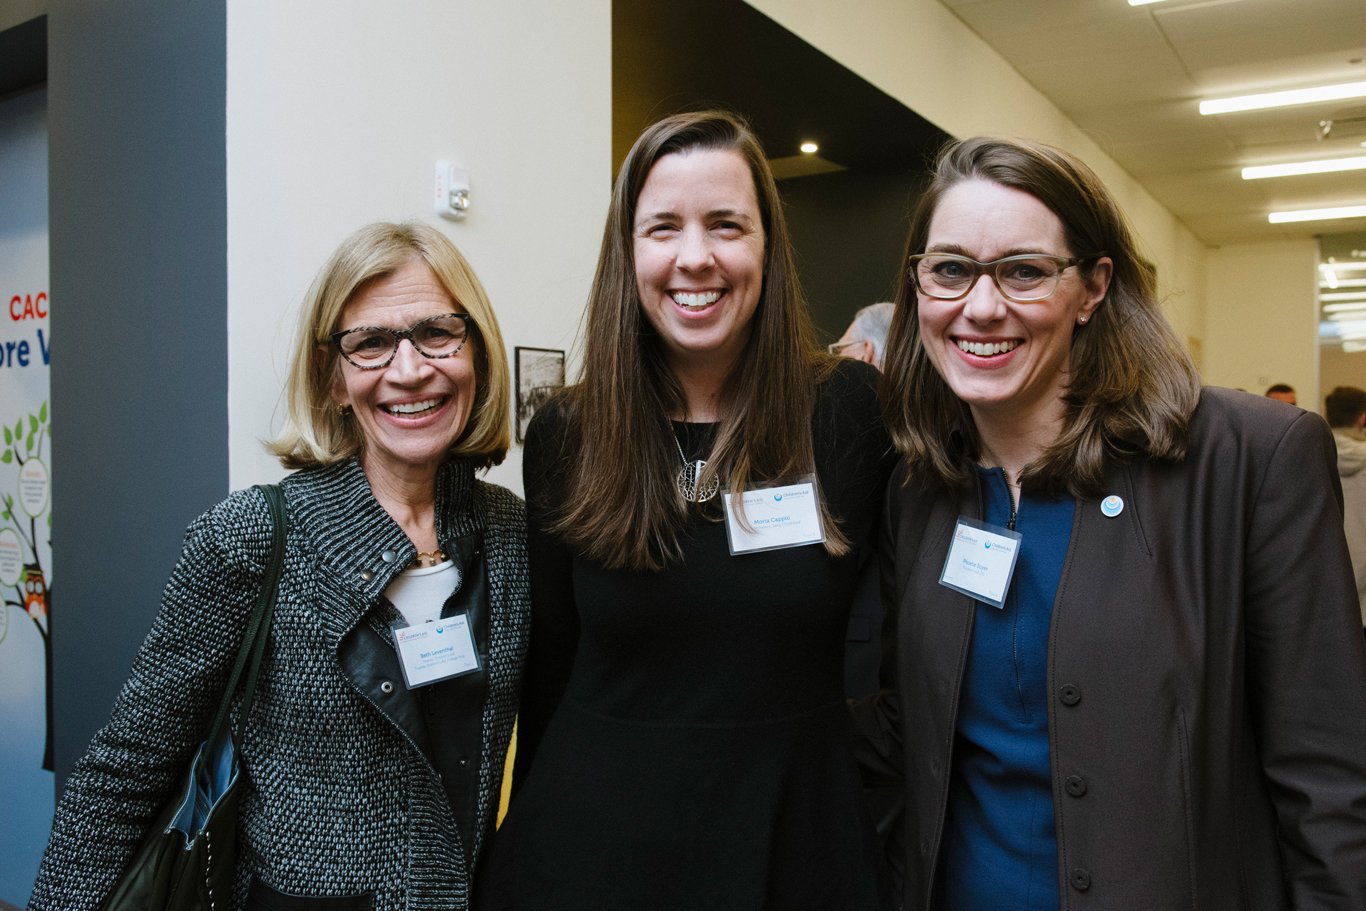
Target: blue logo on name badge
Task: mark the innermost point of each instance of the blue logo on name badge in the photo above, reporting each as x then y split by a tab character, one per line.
777	498
440	629
988	545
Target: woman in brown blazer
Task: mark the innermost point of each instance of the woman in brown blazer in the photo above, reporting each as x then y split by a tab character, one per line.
1127	672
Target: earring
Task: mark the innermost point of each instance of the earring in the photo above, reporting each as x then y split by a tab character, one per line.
1083	319
343	410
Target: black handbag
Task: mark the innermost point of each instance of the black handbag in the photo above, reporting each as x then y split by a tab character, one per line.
189	857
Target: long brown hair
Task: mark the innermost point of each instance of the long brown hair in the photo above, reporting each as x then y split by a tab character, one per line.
624	510
1131	385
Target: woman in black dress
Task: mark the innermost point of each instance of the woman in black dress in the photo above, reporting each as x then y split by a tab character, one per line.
683	738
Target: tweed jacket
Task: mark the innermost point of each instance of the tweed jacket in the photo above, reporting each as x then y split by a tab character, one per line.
342	799
1207	719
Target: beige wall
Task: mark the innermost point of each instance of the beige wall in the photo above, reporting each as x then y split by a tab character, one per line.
336	114
1262	318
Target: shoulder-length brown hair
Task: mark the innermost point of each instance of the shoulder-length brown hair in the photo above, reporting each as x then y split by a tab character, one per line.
1131	385
315	433
623	508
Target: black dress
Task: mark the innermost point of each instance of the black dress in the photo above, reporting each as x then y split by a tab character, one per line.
683	739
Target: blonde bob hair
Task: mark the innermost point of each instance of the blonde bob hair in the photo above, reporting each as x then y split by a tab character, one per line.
315	432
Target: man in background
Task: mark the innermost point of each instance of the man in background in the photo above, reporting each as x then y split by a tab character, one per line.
866	337
1282	393
1345	409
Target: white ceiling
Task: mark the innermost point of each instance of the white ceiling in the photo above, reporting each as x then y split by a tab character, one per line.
1132	78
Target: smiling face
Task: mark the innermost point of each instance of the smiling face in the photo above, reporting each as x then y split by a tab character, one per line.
699	255
1007	361
411	412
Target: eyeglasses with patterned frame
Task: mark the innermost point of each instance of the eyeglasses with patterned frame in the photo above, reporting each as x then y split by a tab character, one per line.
1024	278
373	347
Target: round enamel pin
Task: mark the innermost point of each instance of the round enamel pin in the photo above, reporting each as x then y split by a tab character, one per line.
1112	506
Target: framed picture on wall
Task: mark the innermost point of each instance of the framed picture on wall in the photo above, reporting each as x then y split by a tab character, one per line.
540	372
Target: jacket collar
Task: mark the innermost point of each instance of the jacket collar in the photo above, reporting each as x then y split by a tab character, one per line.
358	548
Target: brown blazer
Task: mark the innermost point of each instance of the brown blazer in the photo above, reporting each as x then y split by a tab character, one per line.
1208	725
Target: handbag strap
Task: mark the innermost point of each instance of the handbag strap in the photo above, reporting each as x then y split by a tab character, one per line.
253	645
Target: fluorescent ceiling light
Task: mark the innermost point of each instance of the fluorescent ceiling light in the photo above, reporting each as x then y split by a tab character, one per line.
1351	330
1283	99
1295	168
1142	2
1277	218
1348	265
1353	347
1358	307
1344	296
1345	283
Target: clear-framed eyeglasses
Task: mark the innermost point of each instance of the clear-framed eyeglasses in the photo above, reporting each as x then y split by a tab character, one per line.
1025	278
373	347
838	347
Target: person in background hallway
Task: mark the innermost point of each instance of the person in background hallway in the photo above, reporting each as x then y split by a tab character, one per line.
362	794
1128	672
1281	392
1345	409
866	337
683	741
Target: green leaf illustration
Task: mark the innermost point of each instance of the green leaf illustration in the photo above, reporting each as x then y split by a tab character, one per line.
7	456
42	413
33	423
9	437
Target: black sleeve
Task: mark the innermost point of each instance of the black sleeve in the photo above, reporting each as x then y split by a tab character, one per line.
554	615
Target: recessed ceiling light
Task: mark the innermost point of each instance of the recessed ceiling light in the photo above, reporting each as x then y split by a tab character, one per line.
1277	218
1284	99
1295	168
809	148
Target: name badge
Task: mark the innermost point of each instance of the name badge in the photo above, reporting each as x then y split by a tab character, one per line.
786	516
435	651
981	561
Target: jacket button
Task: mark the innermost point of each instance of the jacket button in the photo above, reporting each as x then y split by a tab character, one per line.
463	762
388	556
1076	785
1069	694
1080	879
386	687
366	575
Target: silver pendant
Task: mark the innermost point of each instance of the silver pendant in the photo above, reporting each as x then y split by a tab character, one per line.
688	477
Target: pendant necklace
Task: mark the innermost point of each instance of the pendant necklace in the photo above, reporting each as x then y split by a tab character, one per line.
689	477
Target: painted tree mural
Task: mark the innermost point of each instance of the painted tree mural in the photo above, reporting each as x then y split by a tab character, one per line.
26	520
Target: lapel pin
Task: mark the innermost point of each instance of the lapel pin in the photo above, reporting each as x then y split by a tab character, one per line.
1112	506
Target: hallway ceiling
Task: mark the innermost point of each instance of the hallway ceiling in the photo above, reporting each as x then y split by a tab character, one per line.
1132	77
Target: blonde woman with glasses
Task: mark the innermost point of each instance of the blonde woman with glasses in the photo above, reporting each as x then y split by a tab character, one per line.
373	774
